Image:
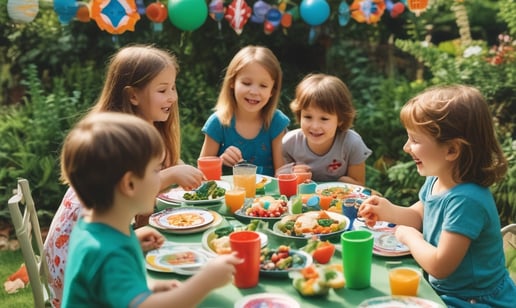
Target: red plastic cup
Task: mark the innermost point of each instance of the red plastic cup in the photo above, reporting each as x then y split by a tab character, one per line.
211	166
287	184
247	246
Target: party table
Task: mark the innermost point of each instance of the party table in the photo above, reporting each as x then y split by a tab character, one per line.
345	297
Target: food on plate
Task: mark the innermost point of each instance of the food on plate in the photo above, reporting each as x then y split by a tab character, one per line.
267	206
207	191
321	251
318	280
279	259
185	219
180	258
315	222
220	242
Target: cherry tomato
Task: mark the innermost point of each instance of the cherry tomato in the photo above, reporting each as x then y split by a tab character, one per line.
323	253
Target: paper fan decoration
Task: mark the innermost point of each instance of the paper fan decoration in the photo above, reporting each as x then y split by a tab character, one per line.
368	11
115	16
237	14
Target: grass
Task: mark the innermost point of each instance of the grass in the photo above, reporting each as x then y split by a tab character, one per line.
10	261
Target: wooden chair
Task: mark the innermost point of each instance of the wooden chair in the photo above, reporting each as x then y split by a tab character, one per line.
509	248
26	225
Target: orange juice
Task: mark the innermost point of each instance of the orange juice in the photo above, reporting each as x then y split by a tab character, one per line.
248	182
404	281
234	198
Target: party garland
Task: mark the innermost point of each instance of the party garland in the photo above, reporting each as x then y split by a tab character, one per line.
118	16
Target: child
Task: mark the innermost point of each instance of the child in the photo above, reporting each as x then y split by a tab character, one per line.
105	265
246	124
140	80
452	140
325	144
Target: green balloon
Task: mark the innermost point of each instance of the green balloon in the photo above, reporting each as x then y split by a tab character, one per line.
187	15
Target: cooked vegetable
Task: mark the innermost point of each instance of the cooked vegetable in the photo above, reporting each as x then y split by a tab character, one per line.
208	190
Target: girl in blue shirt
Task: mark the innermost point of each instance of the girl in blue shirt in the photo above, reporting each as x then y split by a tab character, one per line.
246	124
453	231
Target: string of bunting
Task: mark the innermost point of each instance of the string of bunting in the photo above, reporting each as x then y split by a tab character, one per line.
118	16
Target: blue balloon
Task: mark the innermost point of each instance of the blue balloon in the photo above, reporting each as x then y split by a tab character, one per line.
314	12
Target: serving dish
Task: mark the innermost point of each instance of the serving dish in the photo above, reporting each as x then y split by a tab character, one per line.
297	260
267	300
266	208
219	244
307	225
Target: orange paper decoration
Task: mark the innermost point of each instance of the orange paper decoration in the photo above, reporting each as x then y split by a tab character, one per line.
115	16
417	6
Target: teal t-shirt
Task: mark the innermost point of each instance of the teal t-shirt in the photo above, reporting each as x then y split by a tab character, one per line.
105	268
258	150
470	210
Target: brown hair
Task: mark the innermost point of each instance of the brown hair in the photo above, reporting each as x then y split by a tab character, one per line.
136	66
328	93
100	149
226	103
459	113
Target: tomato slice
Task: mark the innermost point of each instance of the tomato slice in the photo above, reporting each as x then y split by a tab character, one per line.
323	252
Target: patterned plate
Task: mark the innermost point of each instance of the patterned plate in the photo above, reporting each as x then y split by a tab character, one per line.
398	302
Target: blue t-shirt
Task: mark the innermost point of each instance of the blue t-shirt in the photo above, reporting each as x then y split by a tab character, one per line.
105	268
470	210
258	150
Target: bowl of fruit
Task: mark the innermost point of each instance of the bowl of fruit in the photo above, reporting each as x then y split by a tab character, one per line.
266	208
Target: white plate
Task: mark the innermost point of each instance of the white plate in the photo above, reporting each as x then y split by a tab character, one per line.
398	302
162	259
176	195
352	191
267	300
385	243
180	219
154	221
267	179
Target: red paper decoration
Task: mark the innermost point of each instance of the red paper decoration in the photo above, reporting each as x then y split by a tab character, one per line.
417	6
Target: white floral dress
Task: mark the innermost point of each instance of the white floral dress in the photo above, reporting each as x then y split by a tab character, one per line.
56	243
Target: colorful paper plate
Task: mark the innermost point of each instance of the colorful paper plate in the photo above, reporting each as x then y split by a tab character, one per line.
267	300
385	243
180	219
398	302
176	258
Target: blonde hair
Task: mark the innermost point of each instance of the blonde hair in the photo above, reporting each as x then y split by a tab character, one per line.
101	148
459	113
136	66
328	93
226	103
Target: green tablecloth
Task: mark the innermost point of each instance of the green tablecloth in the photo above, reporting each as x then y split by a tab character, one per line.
226	296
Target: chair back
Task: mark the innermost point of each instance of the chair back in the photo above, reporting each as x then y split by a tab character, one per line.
26	224
509	249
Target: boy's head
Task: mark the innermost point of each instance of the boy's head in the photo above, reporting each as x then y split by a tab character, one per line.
101	149
327	93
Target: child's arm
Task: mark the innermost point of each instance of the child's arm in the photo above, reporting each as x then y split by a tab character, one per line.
191	292
438	261
356	174
186	176
378	208
277	154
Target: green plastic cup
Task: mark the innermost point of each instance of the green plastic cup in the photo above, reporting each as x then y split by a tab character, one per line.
357	256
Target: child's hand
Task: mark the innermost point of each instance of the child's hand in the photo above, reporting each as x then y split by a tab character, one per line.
220	271
301	168
149	238
187	176
231	156
404	233
369	210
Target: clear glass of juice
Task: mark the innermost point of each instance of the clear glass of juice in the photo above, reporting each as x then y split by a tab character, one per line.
244	175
